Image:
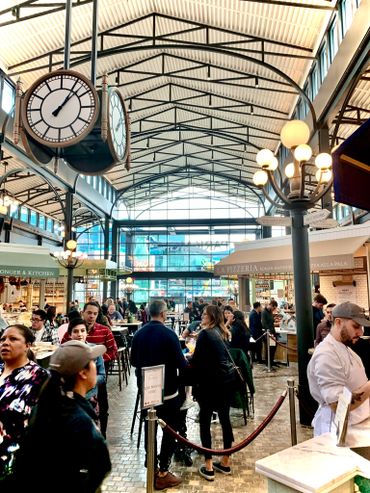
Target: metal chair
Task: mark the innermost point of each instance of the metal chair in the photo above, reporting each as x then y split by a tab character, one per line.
138	414
119	365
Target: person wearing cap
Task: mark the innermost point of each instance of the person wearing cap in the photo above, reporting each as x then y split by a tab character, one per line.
62	433
78	332
334	366
99	334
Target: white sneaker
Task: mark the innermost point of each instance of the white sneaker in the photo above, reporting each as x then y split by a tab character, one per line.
187	404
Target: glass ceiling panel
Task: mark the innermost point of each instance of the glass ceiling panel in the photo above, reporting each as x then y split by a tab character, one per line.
191	202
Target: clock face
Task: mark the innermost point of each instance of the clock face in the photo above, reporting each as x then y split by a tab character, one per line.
60	109
118	125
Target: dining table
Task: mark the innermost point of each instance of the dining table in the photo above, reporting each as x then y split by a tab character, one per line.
131	326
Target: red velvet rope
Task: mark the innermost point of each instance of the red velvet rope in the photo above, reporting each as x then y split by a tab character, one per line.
236	448
286	346
277	342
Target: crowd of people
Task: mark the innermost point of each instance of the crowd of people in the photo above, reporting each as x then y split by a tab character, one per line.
69	400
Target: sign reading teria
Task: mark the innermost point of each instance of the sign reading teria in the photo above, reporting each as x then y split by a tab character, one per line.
152	386
271	266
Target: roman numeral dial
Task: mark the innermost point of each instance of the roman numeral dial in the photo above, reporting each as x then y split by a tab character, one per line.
118	128
60	108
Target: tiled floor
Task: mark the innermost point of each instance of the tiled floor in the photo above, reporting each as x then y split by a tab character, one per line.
129	475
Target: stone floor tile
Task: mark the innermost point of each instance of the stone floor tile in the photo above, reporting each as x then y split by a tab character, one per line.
129	475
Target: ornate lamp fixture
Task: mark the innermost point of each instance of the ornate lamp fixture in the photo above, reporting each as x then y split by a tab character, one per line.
294	135
297	198
128	286
70	259
6	201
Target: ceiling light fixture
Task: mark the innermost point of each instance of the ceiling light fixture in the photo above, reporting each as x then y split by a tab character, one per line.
7	202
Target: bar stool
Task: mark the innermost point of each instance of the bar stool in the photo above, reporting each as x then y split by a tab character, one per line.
138	414
118	365
125	342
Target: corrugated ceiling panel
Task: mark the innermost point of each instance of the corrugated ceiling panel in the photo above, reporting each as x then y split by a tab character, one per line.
229	106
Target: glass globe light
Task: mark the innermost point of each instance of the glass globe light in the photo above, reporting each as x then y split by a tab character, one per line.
295	133
66	254
274	164
129	280
71	245
323	160
289	170
7	201
323	176
260	178
264	158
303	152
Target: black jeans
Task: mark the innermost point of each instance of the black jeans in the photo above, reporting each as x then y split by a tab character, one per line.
256	349
217	400
272	352
169	411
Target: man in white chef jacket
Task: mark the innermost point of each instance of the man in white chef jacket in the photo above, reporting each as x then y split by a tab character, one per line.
334	366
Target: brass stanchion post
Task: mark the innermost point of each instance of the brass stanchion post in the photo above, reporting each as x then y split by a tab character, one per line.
152	418
268	355
293	424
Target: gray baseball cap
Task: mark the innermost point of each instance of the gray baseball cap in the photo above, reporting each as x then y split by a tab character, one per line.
72	356
351	311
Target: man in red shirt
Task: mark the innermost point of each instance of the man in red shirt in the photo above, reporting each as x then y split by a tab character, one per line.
99	334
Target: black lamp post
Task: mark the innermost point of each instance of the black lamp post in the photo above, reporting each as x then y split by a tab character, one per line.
295	135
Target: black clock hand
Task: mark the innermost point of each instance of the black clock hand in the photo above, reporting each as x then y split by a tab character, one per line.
57	110
119	124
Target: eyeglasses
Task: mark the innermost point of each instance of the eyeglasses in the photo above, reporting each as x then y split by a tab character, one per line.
36	320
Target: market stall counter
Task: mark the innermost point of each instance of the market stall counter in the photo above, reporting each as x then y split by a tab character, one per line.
319	465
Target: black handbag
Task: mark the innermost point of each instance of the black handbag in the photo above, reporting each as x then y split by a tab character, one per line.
234	375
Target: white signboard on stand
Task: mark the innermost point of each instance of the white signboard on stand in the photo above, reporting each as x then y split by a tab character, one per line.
152	386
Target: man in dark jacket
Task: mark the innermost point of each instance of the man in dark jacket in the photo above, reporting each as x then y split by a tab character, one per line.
324	327
255	326
155	344
267	319
317	311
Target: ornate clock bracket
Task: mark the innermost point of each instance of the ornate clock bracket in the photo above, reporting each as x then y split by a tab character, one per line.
17	113
104	108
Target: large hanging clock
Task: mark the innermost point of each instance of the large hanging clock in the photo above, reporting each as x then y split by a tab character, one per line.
118	125
60	109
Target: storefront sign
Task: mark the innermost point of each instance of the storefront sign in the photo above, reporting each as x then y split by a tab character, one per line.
318	263
41	273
